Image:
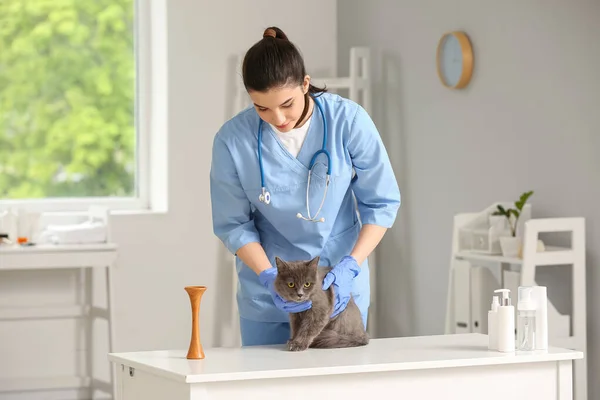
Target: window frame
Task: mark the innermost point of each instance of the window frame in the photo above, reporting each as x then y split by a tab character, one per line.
140	201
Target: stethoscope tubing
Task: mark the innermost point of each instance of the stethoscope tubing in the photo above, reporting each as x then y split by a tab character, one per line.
265	196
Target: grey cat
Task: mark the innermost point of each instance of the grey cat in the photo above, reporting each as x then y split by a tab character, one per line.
303	280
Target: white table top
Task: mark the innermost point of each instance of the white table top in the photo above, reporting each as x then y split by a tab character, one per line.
57	248
59	256
393	354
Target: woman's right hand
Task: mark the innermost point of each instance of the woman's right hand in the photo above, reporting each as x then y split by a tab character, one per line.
267	279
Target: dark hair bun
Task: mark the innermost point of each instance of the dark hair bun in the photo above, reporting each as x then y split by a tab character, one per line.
273	62
274	32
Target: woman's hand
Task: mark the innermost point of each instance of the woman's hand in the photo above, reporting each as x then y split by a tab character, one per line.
267	279
341	277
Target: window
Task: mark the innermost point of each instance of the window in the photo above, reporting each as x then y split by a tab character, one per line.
69	135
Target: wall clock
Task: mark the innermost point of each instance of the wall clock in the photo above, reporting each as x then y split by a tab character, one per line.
455	60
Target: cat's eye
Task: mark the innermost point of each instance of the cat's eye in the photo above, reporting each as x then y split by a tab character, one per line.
291	284
307	284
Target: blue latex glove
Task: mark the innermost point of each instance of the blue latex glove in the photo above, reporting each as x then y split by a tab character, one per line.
267	279
341	276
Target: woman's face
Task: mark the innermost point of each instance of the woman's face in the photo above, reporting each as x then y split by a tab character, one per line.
281	107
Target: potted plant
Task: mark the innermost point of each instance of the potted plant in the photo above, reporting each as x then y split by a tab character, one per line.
510	244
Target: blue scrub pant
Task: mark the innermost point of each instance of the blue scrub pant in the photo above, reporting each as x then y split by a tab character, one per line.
256	333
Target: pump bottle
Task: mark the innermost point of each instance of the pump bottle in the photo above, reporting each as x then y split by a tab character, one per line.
506	323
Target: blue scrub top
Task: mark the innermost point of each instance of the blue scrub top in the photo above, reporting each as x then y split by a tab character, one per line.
239	217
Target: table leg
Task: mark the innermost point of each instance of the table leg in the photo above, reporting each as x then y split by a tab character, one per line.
110	297
564	380
88	300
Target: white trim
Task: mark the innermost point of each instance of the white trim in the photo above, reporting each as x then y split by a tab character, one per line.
155	31
150	128
143	100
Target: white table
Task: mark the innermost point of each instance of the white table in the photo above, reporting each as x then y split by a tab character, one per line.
431	367
83	257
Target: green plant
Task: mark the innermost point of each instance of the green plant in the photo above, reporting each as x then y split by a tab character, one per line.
67	98
515	212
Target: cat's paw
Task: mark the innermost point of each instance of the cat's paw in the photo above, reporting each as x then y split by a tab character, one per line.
294	345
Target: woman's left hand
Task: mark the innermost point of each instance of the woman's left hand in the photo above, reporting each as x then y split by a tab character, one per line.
341	276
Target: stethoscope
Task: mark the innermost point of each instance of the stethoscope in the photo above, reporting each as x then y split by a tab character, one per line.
265	196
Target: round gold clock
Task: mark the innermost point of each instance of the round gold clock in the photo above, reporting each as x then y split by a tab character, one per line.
455	60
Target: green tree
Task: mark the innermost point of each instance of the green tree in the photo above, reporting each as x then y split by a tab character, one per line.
67	92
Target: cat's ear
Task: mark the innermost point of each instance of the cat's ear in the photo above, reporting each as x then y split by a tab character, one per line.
314	263
279	263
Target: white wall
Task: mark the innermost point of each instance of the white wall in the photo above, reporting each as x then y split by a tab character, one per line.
534	97
162	253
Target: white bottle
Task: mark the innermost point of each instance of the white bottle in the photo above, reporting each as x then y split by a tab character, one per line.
9	224
540	295
493	325
506	323
526	320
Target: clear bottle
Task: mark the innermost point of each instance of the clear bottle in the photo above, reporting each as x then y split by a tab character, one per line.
526	320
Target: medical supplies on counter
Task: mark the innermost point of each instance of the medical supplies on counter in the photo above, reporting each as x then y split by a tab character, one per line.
532	321
19	226
25	228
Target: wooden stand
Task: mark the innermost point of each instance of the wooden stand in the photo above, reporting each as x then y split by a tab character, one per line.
195	351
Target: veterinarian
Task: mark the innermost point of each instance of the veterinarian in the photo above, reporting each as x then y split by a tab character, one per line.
290	177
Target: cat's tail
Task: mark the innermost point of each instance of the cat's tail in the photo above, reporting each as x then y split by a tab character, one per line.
329	339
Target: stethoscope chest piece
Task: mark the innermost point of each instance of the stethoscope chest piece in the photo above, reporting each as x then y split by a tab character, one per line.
264	197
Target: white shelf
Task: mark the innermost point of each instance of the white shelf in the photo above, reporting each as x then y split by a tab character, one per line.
551	256
52	248
57	311
49	383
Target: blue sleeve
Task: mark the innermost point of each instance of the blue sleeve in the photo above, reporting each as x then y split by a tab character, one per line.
231	216
375	185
